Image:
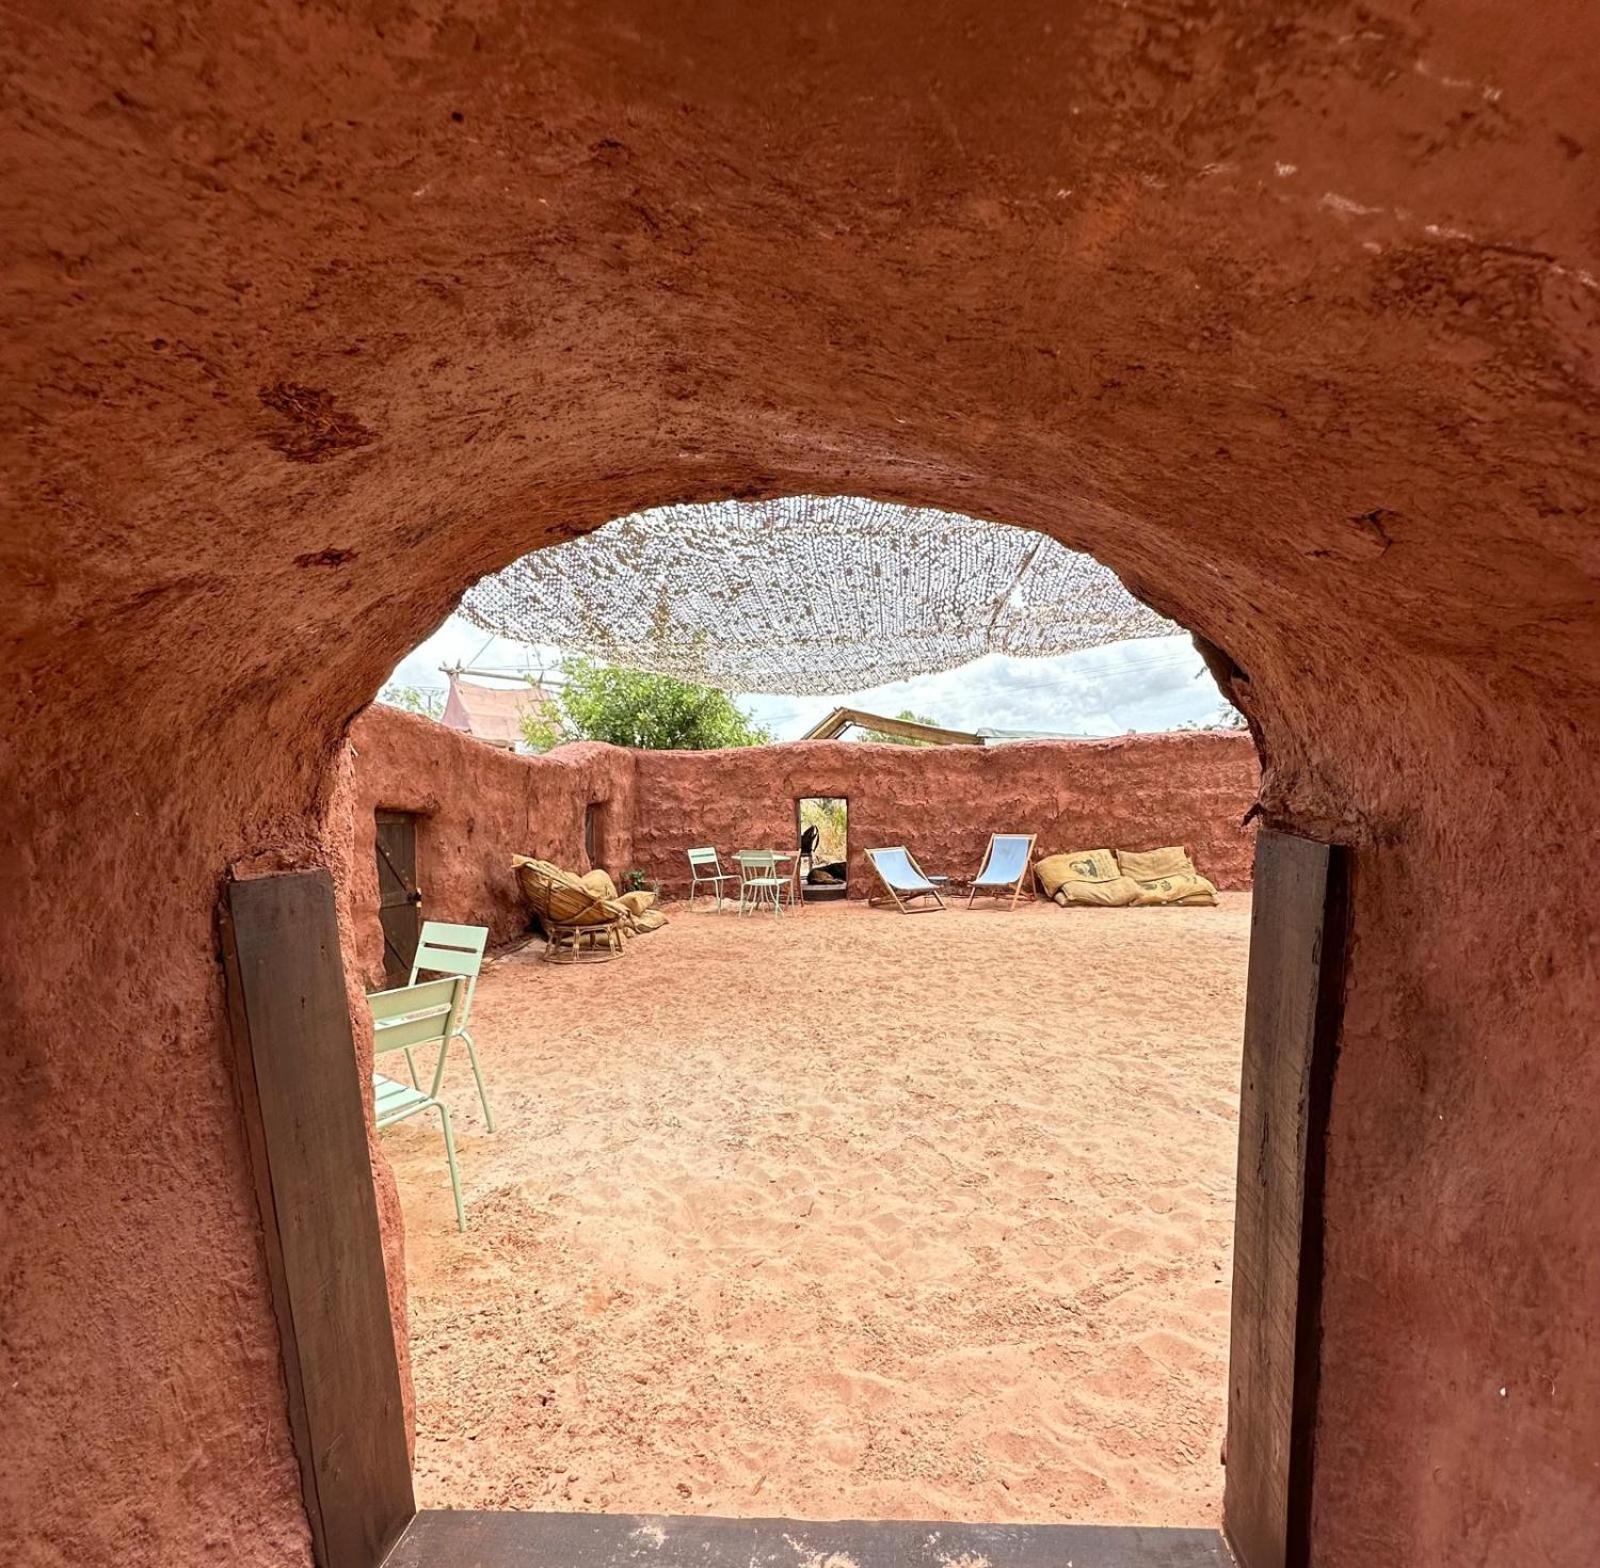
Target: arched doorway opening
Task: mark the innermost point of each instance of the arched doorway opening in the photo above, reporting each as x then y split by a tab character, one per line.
1100	1362
326	316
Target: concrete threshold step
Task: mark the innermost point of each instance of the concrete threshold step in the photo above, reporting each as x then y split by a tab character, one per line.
450	1538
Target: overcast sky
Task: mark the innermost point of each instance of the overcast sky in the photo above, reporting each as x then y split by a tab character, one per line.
1155	684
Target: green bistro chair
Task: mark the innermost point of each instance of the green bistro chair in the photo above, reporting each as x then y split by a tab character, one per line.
705	870
403	1019
444	949
761	884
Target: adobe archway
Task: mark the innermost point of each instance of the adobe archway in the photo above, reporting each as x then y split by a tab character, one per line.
317	317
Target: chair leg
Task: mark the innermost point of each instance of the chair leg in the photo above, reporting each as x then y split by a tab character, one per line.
412	1066
483	1094
455	1172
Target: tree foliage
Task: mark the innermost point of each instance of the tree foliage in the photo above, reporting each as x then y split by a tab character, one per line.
630	708
883	739
427	701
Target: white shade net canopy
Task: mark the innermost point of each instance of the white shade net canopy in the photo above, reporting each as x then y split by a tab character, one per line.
808	594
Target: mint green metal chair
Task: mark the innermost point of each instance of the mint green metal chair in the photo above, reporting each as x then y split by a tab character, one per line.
761	884
403	1019
705	870
444	949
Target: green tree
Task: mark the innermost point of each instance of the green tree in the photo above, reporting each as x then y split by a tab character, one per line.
428	701
631	708
900	740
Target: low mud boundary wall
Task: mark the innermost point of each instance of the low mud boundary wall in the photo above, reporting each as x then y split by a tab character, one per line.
944	801
475	806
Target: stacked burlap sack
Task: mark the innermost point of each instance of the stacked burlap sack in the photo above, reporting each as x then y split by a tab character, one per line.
1120	877
591	899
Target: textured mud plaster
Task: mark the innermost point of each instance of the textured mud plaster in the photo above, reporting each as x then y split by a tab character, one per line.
313	315
476	807
945	801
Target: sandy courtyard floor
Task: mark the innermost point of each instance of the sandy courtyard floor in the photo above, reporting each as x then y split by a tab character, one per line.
847	1215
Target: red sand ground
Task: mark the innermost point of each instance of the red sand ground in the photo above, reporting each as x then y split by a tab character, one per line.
850	1214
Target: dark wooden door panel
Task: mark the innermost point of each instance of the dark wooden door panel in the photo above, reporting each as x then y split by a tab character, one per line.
399	895
302	1097
1291	1017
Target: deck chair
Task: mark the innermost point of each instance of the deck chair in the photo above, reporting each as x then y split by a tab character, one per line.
700	876
444	949
903	880
403	1019
1005	867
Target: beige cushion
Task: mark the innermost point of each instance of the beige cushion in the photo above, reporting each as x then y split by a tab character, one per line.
1145	865
1083	865
1115	894
1189	889
598	881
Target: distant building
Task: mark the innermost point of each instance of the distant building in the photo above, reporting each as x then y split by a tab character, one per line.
492	713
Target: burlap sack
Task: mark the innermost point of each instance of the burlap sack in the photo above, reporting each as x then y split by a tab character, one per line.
598	881
1084	865
1115	894
648	920
636	903
1148	865
1188	889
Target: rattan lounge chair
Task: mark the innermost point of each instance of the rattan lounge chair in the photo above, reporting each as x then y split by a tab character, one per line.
580	925
1005	867
903	881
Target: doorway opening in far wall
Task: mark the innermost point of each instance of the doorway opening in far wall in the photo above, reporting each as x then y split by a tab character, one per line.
824	830
399	893
594	831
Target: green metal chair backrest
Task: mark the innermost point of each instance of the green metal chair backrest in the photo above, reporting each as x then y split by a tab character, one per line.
413	1015
757	863
704	857
445	949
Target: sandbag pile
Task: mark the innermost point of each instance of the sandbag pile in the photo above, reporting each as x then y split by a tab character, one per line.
1123	877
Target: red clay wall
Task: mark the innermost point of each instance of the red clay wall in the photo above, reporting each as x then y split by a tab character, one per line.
1289	319
477	806
945	801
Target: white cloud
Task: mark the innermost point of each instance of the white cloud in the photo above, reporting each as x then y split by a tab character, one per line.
1155	684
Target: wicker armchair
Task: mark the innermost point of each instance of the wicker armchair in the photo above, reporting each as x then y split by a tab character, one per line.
580	926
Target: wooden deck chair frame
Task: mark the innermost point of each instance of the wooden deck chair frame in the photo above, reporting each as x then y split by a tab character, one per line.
445	949
904	902
403	1019
998	889
707	856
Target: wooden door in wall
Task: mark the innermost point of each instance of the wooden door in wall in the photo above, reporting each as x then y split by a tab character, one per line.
1298	918
399	897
